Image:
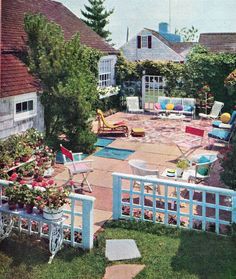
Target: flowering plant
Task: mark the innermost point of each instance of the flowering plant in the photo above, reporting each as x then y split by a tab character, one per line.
107	91
231	79
55	197
205	98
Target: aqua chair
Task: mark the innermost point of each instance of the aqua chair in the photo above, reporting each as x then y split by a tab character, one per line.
219	124
223	135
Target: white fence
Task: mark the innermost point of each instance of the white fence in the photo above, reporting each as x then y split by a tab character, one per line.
173	203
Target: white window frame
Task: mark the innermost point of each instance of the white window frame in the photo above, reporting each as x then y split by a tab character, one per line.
105	70
18	116
142	45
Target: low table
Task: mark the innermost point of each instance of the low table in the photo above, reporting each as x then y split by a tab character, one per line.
184	177
171	116
138	132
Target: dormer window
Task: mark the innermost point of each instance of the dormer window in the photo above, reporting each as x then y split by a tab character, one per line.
144	41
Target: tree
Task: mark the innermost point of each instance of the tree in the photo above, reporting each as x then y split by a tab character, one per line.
68	73
188	35
97	17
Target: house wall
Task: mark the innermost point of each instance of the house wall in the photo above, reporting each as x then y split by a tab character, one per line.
159	51
10	125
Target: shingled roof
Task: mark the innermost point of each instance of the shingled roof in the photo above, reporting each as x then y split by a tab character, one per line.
15	78
14	37
219	42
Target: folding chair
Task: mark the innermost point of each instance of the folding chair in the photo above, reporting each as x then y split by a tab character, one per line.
190	142
77	167
215	111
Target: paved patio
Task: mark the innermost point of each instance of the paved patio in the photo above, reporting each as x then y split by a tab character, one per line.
157	148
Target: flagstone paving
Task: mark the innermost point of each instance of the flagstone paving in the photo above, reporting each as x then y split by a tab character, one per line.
157	148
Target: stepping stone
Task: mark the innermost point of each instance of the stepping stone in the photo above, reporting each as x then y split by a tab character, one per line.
123	271
121	249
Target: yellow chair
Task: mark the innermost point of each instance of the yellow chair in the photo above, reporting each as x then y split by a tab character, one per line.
106	127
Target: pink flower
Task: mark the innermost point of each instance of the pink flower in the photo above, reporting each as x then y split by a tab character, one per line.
14	176
60	189
22	182
51	182
72	182
38	198
34	184
44	184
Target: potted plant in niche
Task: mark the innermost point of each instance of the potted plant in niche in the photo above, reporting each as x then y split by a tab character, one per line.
54	199
11	193
29	200
181	166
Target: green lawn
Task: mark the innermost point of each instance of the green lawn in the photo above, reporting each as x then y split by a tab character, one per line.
166	252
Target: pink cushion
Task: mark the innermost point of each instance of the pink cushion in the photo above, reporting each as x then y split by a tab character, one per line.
157	106
79	168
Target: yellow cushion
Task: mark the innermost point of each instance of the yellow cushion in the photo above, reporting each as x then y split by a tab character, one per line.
225	117
170	106
137	130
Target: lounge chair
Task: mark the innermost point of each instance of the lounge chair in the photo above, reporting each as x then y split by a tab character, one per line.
223	135
133	105
215	111
83	167
219	124
106	127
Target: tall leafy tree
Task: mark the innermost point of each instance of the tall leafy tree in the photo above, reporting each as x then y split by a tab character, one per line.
96	16
68	73
187	35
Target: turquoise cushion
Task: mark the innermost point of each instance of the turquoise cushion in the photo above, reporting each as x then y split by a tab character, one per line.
163	105
203	159
216	123
219	134
202	171
233	117
188	108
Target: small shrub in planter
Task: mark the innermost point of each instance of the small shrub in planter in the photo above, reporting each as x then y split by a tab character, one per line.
12	192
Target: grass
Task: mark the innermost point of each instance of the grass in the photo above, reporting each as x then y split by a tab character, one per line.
166	252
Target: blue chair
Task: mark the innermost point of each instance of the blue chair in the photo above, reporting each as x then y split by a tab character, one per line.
219	124
223	135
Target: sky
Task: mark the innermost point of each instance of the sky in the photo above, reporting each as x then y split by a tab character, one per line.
205	15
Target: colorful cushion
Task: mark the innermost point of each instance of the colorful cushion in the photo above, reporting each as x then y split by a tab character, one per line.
157	106
188	108
170	106
203	159
225	117
178	107
216	123
163	105
233	117
219	134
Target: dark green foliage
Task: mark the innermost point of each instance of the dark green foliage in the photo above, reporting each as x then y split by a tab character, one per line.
96	16
68	72
228	175
187	35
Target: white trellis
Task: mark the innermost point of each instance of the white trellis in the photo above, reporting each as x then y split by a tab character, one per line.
152	88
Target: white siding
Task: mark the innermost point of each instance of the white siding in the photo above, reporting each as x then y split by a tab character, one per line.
9	125
158	52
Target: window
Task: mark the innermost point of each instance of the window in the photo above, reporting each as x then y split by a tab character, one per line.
144	41
25	106
105	72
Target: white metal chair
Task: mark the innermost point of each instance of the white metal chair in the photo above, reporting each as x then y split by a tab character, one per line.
139	167
215	111
133	105
201	171
83	167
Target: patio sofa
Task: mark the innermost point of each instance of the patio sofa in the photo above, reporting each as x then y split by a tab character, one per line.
184	106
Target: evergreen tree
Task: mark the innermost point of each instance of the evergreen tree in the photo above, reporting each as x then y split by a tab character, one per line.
97	17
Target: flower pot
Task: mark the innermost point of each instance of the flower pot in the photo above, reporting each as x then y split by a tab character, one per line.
29	208
179	172
12	205
52	214
27	179
20	205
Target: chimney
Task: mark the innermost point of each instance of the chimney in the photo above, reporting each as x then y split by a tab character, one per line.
163	27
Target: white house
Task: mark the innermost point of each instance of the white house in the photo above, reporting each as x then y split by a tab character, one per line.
20	106
156	46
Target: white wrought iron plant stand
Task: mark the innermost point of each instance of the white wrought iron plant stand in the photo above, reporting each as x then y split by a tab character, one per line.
55	234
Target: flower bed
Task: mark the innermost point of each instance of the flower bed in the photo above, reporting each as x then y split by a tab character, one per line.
25	157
